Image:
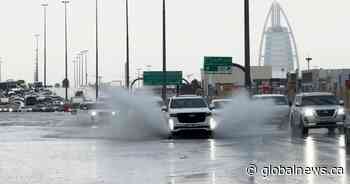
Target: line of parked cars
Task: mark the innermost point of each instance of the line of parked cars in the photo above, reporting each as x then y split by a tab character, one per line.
30	100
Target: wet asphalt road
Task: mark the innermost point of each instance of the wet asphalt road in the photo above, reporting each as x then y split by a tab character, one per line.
56	148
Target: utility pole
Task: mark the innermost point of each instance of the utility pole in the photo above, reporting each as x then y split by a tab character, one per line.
82	68
74	67
85	57
164	53
79	71
45	27
66	81
247	44
76	72
97	79
127	44
36	75
308	60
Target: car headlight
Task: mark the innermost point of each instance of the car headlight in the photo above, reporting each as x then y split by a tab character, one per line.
10	110
94	113
171	124
309	112
113	113
212	123
341	111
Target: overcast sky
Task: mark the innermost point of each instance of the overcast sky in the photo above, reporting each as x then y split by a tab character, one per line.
195	28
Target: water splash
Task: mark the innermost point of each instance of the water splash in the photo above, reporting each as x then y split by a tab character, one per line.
244	116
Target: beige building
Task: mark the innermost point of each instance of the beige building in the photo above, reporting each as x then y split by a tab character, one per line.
225	83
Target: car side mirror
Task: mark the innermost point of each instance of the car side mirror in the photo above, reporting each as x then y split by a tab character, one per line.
164	109
341	102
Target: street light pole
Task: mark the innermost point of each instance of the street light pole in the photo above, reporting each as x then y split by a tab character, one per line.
82	69
66	49
247	44
85	57
127	44
308	60
36	75
76	72
79	69
164	53
97	79
45	27
74	67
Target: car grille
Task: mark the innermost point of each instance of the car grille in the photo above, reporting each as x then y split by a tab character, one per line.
325	113
191	117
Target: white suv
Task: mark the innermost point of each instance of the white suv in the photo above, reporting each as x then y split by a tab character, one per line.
317	110
189	112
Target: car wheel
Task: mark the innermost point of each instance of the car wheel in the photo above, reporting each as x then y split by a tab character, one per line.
304	130
171	135
210	134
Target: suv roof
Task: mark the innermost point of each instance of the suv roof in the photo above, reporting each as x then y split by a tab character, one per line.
316	94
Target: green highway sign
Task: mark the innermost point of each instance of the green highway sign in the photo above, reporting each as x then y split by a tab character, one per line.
217	64
155	78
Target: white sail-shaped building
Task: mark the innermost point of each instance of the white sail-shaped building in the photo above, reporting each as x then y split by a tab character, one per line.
278	46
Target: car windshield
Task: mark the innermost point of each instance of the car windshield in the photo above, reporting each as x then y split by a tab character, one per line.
188	103
278	100
320	100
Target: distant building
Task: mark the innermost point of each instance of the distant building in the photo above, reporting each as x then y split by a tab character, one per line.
331	80
278	46
220	84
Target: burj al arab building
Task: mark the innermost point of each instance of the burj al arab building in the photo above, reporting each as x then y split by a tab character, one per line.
278	47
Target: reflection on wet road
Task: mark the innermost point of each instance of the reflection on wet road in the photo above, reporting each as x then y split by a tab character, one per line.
63	151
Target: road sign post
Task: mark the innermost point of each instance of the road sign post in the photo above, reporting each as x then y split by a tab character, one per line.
216	65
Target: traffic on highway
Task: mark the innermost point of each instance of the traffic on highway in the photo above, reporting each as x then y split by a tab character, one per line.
174	92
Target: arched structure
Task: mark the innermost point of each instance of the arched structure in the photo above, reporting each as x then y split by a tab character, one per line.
278	47
239	66
134	81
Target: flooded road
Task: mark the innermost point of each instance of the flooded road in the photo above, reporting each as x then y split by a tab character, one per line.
58	148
